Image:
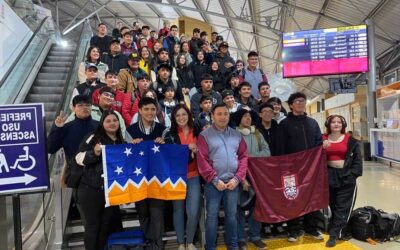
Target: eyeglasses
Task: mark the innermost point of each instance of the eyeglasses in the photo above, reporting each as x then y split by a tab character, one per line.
299	101
108	94
83	105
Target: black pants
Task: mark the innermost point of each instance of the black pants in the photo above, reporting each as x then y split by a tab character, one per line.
99	222
151	217
341	202
309	223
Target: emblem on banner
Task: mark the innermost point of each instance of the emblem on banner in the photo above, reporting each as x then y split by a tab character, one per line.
290	186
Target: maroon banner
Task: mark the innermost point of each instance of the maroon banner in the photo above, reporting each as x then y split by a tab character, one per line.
289	186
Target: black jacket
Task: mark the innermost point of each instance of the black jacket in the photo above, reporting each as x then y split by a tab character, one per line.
352	168
270	135
93	164
115	63
298	133
70	136
218	80
195	101
87	88
160	86
198	69
185	76
102	42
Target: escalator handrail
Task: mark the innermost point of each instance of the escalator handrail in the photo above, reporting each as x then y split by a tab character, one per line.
22	52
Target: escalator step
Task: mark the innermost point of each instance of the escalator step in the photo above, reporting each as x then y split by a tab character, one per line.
46	90
62	53
57	64
59	58
43	98
50	106
52	69
52	76
51	83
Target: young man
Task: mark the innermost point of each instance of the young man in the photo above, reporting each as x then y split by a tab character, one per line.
112	82
164	31
203	121
213	43
245	97
162	58
268	126
164	80
114	59
222	161
101	39
228	97
130	105
252	73
225	61
127	77
128	47
264	91
92	82
298	132
152	39
171	40
151	211
194	42
206	85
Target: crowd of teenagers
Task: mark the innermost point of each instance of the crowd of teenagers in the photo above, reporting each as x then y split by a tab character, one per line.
140	85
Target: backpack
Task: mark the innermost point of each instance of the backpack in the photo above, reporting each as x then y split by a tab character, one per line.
72	174
370	223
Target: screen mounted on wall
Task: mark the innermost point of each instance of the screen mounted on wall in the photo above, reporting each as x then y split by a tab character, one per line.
330	51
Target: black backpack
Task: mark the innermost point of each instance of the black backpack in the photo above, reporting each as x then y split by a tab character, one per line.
370	223
72	174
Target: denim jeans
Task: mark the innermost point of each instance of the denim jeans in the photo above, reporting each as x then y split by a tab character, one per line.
254	226
193	195
213	200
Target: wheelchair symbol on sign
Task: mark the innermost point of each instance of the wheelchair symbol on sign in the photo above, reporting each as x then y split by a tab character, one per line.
24	162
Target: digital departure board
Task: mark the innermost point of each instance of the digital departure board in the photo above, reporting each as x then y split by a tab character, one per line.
325	52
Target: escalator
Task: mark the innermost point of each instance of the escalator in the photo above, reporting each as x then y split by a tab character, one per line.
48	87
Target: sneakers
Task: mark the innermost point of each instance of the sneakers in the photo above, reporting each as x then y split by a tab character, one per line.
181	247
316	234
331	242
190	246
292	237
242	245
259	244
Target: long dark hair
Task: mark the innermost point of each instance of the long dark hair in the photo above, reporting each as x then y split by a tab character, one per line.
150	55
329	121
174	124
100	133
89	51
178	64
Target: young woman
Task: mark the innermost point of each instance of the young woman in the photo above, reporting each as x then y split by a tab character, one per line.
182	132
185	50
145	59
277	104
185	75
344	167
99	222
256	147
177	50
199	68
93	56
218	78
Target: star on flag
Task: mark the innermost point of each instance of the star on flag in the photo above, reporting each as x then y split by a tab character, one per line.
138	171
156	148
128	151
118	170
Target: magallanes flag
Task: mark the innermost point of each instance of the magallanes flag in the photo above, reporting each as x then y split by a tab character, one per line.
133	172
289	186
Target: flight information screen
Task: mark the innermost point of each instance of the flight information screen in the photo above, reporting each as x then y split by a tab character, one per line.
325	52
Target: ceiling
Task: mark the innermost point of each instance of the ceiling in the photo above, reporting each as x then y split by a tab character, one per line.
246	24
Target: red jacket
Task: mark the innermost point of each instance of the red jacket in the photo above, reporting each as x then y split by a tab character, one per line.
119	99
129	109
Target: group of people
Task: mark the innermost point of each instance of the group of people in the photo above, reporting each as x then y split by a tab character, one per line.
192	93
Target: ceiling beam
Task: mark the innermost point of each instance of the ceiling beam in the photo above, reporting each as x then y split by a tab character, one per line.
321	13
231	26
211	13
137	15
376	10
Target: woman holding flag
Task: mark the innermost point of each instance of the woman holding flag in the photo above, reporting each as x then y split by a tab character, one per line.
344	167
182	132
99	222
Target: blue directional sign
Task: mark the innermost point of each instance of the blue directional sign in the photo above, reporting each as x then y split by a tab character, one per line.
23	158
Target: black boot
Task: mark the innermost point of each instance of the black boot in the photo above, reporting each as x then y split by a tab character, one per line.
331	242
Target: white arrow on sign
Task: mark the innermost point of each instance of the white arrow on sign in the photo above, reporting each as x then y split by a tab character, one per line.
20	179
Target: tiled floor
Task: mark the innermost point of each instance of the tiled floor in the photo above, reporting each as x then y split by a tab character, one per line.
379	187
